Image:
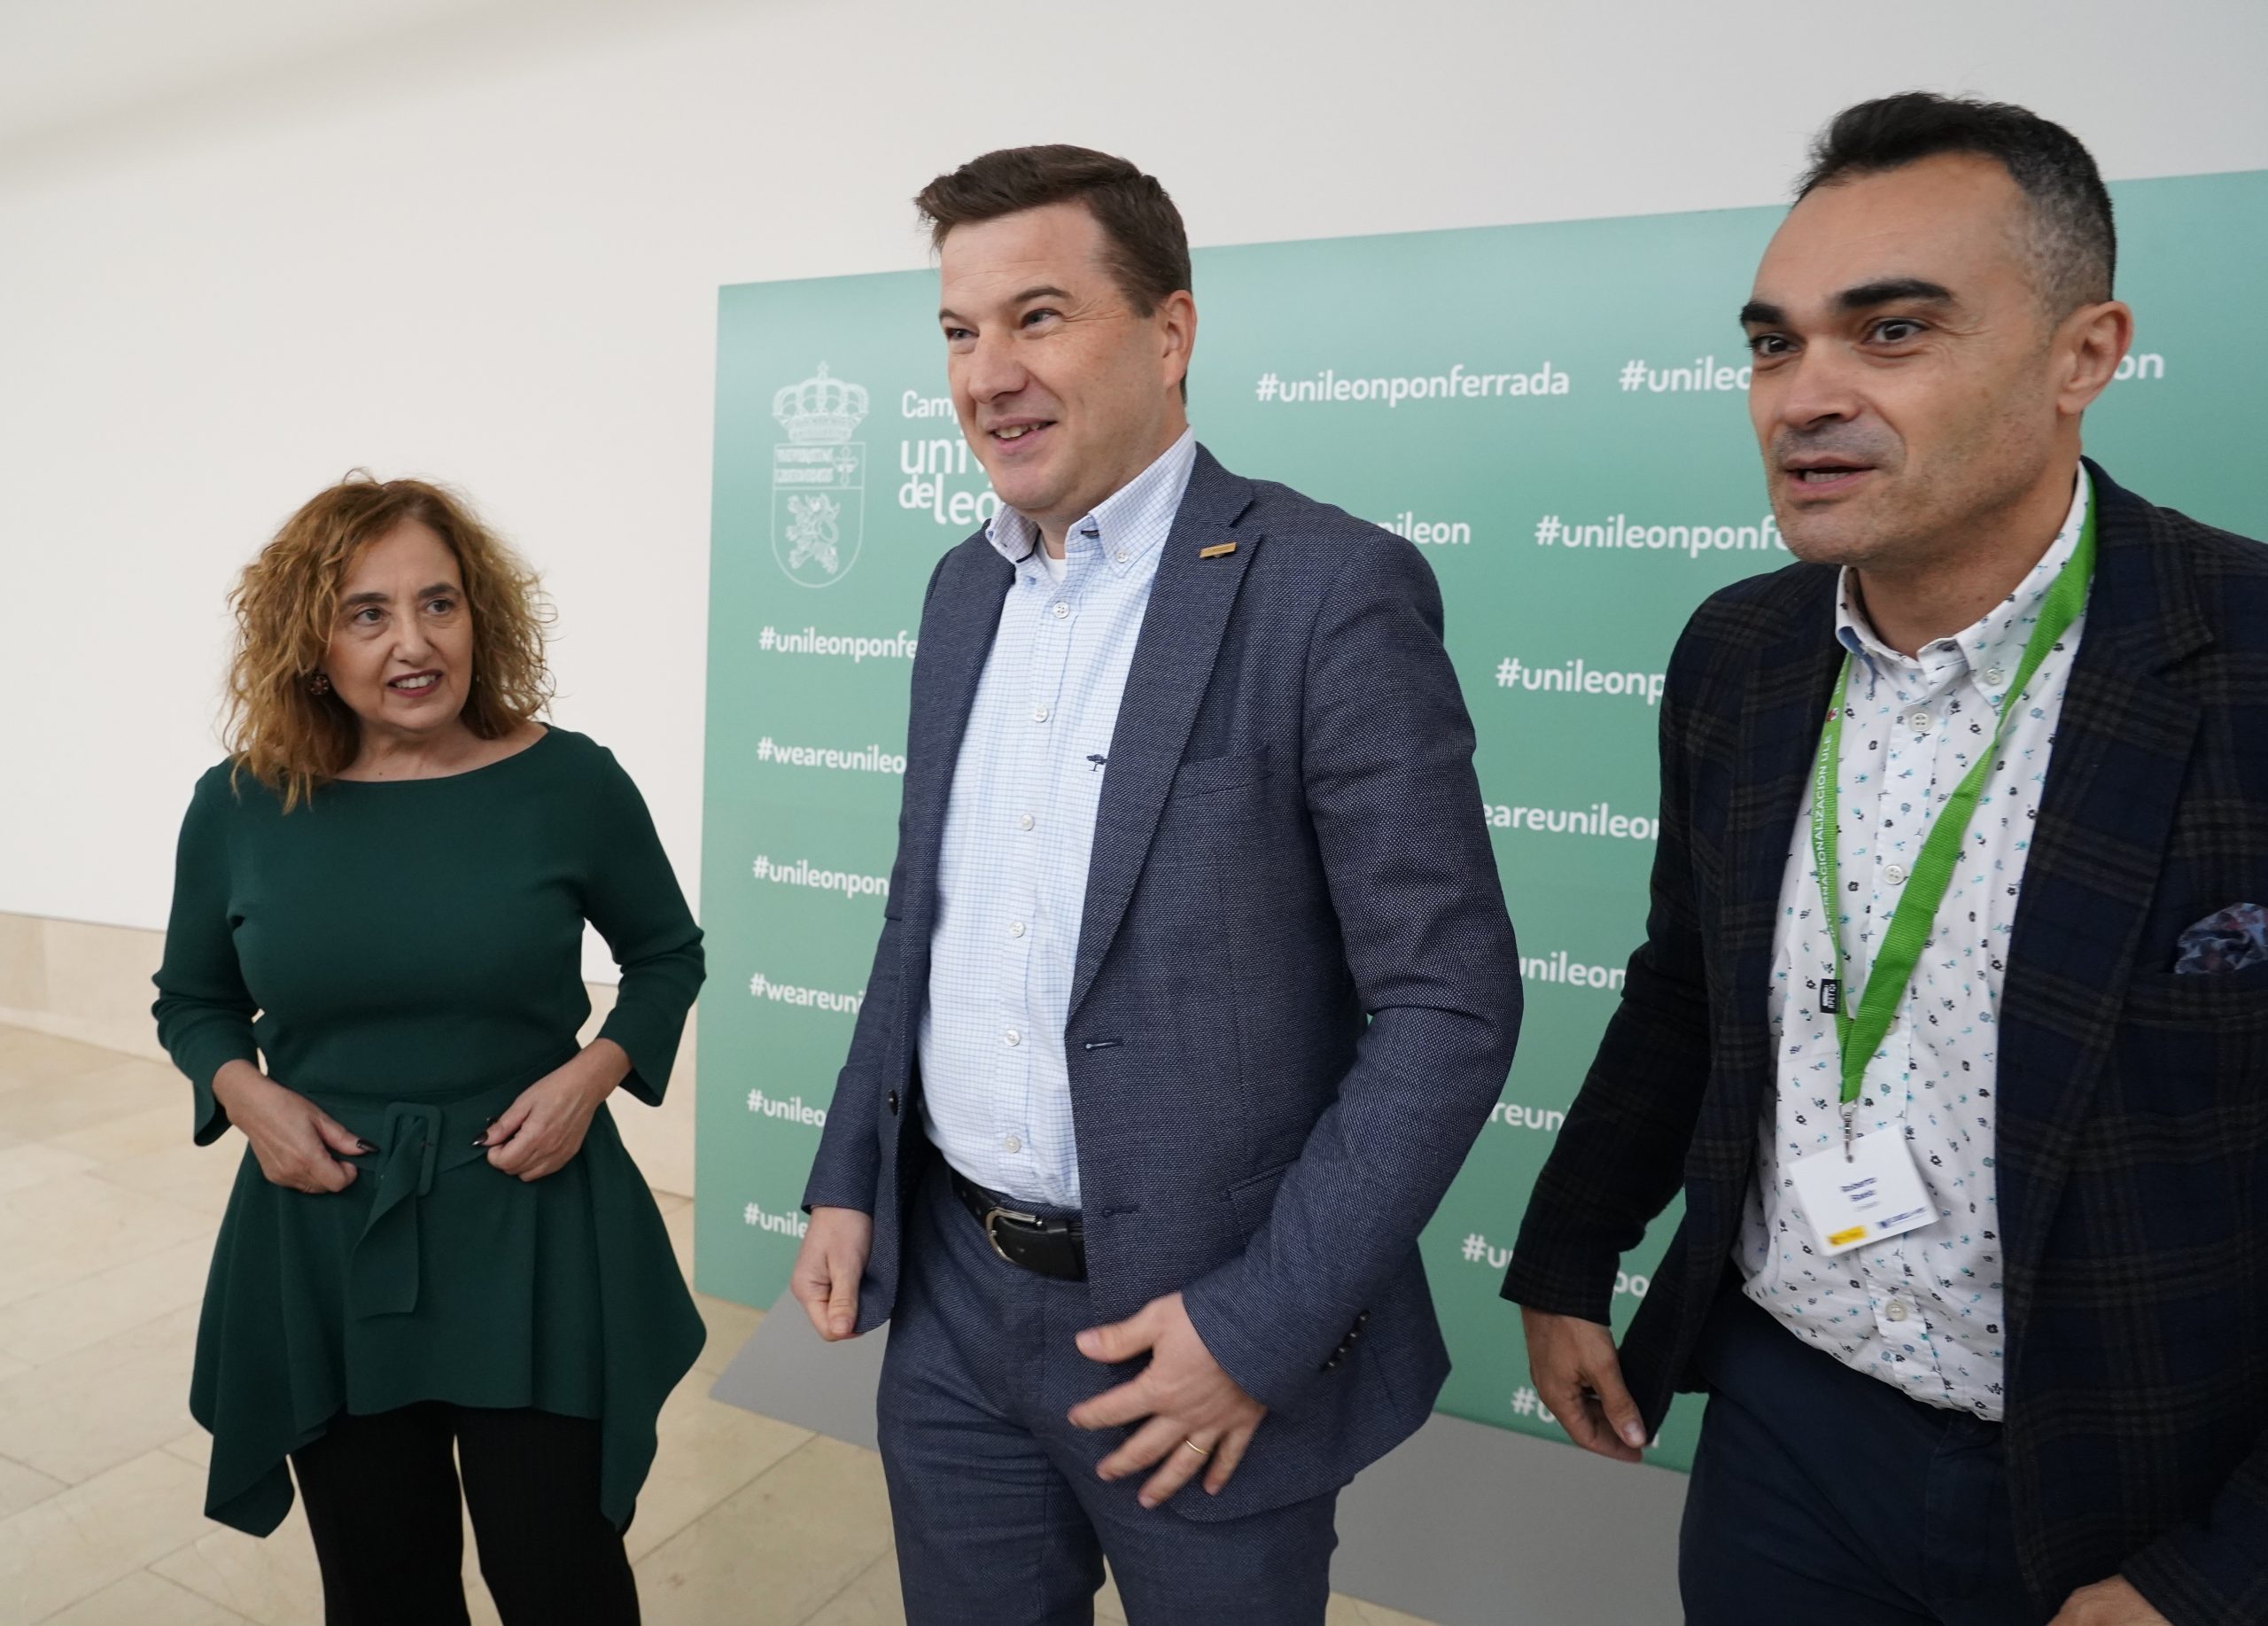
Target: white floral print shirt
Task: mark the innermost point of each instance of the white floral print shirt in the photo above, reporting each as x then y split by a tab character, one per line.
1921	1312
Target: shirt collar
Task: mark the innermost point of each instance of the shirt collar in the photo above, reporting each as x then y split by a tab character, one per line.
1124	529
1995	643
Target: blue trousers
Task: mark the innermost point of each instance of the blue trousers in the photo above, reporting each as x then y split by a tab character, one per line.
1000	1519
1820	1494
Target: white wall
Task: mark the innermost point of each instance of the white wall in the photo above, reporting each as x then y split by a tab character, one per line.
483	242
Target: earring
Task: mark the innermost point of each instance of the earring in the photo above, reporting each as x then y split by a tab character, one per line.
319	684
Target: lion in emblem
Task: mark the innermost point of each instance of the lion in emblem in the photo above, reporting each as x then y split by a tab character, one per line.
814	531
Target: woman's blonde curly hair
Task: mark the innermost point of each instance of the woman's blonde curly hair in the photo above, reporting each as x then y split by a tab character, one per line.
293	740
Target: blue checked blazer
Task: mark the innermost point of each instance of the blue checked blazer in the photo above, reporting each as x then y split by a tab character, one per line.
1296	990
2132	1137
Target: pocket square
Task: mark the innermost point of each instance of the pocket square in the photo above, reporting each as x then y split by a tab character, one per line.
2229	941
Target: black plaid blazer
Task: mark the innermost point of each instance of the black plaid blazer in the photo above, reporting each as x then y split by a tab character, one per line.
2132	1129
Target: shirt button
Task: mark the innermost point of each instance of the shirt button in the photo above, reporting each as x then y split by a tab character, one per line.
1013	1038
1919	723
1024	824
1994	675
1015	929
1120	556
1062	610
1895	874
1895	1310
1039	713
1012	1144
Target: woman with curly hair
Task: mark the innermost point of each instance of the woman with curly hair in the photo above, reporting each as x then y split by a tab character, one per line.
438	1254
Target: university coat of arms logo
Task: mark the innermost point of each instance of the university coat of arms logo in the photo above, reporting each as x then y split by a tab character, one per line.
819	515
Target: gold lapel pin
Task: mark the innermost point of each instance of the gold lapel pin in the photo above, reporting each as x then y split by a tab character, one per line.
1218	550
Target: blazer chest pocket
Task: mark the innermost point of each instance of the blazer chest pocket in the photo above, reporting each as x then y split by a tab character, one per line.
1212	814
1211	775
2234	1002
2191	1061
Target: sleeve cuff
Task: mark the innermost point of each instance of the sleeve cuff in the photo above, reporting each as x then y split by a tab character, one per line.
847	1168
818	1197
211	1119
1260	1367
653	1053
1570	1285
2198	1576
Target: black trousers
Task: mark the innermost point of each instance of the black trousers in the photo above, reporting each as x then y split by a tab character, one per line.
383	1504
1820	1494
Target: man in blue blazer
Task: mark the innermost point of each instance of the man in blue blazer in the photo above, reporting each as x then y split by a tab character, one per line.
1195	984
1974	1262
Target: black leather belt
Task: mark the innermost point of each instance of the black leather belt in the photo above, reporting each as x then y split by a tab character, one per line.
1056	1248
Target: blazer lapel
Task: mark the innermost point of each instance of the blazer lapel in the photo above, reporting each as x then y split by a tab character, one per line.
1784	707
2114	785
957	634
1173	662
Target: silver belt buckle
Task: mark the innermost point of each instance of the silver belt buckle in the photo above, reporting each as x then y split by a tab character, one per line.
993	1214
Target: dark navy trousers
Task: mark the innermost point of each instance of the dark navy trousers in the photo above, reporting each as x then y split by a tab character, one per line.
1820	1494
1000	1520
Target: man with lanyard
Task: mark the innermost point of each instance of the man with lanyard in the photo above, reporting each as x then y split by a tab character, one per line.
1951	1026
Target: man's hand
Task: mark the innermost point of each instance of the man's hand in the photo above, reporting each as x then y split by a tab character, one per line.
824	1281
297	1142
1572	1364
2108	1603
541	1131
1199	1418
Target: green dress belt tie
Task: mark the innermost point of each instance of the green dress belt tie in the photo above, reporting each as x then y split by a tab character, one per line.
418	1142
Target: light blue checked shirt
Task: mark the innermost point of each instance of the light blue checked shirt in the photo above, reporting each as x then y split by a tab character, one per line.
1019	826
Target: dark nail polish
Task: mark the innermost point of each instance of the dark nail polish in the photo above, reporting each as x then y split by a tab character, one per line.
481	1139
364	1145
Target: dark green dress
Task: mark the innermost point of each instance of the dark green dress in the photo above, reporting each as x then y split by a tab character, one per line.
407	955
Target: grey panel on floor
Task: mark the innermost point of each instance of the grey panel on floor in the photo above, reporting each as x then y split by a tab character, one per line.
1466	1525
786	1370
1474	1526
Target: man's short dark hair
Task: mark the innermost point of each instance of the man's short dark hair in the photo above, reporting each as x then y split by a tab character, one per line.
2074	245
1148	249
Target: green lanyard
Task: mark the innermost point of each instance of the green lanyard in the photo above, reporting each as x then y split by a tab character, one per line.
1916	911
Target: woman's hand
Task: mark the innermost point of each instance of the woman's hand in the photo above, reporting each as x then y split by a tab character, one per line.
298	1145
540	1132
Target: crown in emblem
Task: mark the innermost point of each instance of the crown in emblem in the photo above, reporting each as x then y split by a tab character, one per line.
820	410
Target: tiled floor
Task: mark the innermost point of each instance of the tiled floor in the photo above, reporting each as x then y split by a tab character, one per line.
107	1215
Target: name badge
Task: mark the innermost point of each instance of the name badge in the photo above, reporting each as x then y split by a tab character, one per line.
1873	1195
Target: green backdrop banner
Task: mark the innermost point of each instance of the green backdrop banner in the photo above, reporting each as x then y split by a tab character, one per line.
1555	413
